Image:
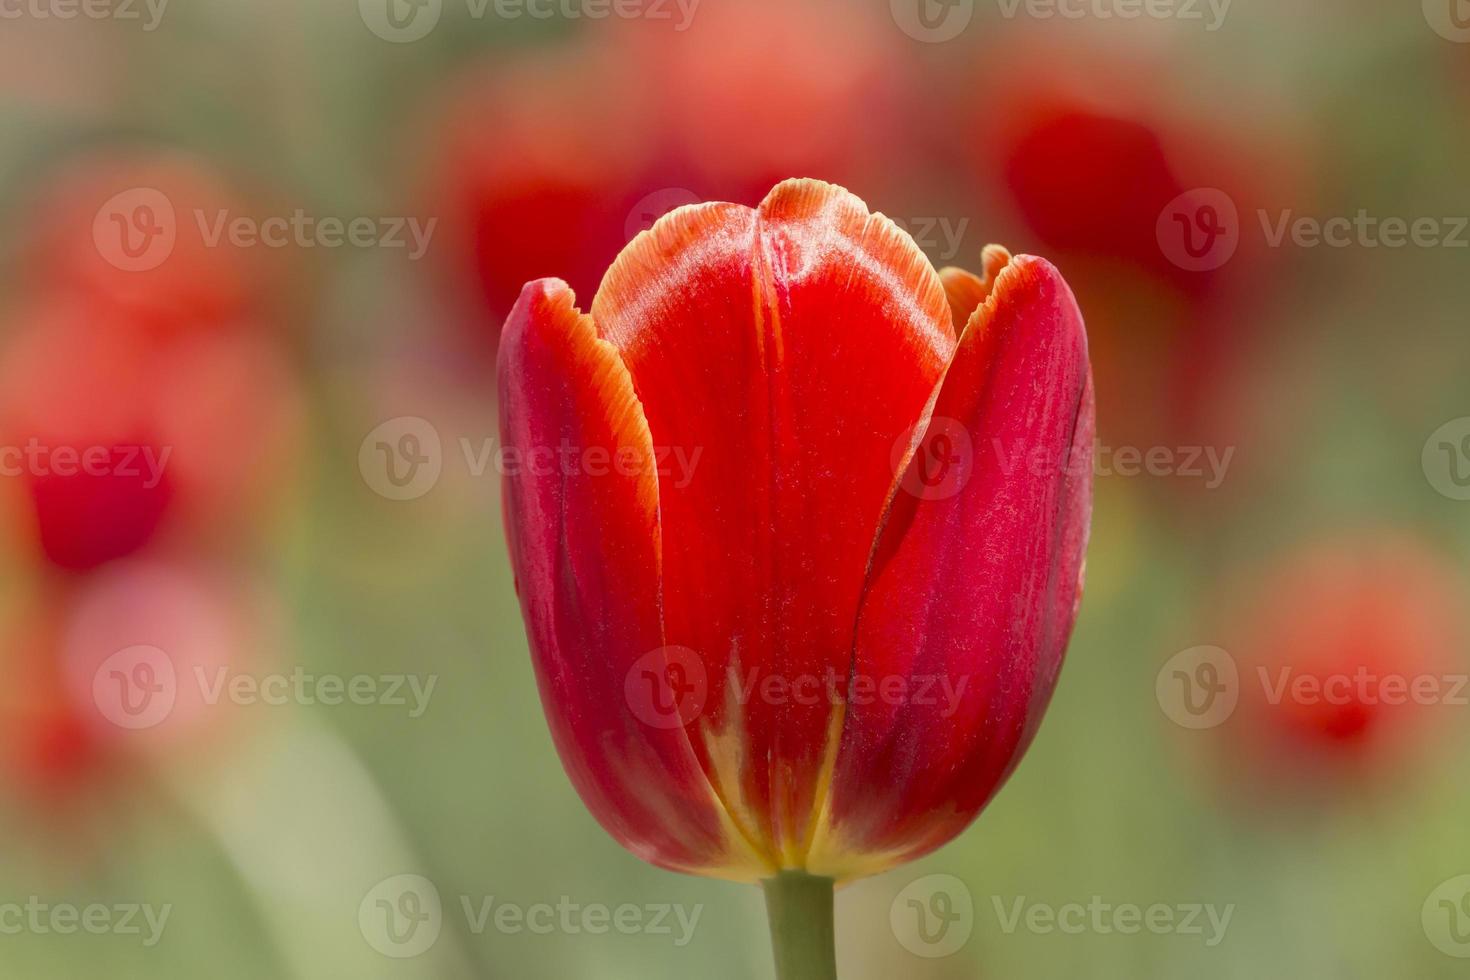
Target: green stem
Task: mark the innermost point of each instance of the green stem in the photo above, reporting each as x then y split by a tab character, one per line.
799	906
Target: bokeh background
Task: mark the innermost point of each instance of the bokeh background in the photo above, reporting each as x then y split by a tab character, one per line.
279	432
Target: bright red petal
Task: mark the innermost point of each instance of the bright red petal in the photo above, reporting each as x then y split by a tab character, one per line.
581	516
781	354
973	587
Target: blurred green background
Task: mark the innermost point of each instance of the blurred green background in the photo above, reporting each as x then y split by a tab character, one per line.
1326	376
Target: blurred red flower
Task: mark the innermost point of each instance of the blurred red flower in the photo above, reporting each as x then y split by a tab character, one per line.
549	161
119	438
1351	655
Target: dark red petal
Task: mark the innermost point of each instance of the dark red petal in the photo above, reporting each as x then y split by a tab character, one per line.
974	585
790	348
584	539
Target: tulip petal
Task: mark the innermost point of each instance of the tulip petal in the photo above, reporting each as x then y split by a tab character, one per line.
973	589
581	516
780	355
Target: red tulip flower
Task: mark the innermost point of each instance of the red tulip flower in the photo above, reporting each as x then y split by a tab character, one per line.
798	549
1349	664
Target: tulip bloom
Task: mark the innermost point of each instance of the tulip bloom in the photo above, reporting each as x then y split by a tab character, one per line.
1349	666
818	645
